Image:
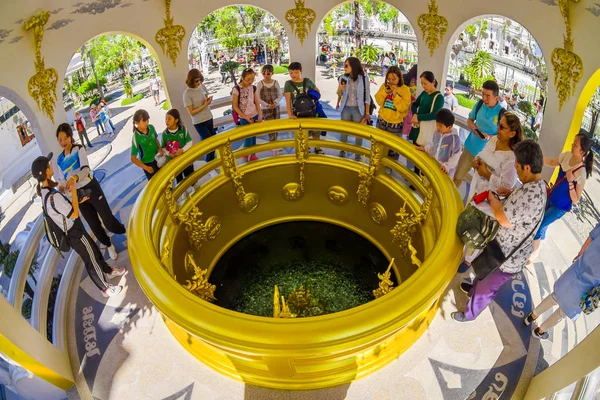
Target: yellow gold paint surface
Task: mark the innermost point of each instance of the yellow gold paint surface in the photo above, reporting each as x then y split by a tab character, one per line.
298	353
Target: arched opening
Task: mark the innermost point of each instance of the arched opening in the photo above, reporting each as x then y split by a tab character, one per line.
233	38
374	31
120	69
18	127
500	49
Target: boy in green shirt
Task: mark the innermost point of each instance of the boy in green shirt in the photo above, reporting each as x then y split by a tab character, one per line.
295	87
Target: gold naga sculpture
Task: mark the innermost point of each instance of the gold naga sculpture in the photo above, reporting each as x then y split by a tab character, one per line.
385	283
300	20
368	172
170	38
406	225
199	231
280	310
42	85
568	67
247	201
294	191
199	284
433	27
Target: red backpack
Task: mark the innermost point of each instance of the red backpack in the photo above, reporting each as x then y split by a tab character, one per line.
79	124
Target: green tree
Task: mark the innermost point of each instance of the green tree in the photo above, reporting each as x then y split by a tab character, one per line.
369	54
479	70
594	107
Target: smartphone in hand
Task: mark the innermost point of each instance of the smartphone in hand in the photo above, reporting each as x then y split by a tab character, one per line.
479	133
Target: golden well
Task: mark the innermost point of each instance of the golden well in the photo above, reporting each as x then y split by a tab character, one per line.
250	270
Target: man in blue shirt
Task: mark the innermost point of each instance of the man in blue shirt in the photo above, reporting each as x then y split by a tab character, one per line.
483	121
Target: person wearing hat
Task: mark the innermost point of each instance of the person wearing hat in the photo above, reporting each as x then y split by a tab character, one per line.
65	214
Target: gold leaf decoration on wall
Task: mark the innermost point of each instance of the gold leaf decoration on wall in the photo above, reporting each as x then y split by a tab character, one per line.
568	67
300	20
433	27
170	38
42	85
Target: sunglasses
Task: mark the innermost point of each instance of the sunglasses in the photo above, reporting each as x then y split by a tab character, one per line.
197	80
346	66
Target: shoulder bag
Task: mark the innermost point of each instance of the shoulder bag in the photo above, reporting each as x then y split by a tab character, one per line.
492	256
427	128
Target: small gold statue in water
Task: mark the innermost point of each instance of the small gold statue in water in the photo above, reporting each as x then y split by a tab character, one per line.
300	298
385	285
282	311
199	284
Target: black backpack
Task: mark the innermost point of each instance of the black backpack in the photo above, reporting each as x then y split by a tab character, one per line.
55	235
303	106
480	104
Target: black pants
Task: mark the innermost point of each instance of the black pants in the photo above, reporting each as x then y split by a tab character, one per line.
206	129
184	174
83	135
97	207
154	166
90	254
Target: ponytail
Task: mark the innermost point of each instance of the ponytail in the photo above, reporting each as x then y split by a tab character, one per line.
589	163
38	190
585	143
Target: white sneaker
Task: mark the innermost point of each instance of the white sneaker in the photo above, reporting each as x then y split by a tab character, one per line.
112	252
117	272
112	291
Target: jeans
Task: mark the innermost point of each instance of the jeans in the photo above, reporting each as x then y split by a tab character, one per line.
205	130
99	125
351	114
249	141
552	214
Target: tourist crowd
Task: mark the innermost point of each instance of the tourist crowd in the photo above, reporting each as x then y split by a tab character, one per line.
509	206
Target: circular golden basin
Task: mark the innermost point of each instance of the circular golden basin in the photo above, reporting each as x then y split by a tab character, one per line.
301	353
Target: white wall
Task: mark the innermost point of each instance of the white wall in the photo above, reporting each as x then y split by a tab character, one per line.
73	25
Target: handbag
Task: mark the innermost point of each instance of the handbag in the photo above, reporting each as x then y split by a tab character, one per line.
590	301
475	228
492	256
427	128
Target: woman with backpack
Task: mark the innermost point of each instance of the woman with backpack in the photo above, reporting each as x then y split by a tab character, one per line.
246	105
64	224
354	98
575	167
197	102
74	169
574	291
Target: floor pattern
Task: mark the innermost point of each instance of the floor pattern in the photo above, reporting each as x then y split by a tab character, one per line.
122	348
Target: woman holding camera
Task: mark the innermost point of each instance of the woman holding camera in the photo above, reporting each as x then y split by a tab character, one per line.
74	169
393	98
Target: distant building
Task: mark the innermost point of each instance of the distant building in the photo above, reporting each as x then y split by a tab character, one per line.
19	148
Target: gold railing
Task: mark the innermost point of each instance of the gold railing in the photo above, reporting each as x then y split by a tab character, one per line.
414	227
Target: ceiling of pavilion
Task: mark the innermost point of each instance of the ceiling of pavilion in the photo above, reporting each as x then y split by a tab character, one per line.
12	32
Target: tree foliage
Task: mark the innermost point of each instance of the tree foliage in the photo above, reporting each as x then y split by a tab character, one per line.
369	54
112	53
480	69
594	108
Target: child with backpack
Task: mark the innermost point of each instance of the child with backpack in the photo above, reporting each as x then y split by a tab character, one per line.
246	105
445	146
79	126
269	94
297	99
145	145
65	230
176	140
